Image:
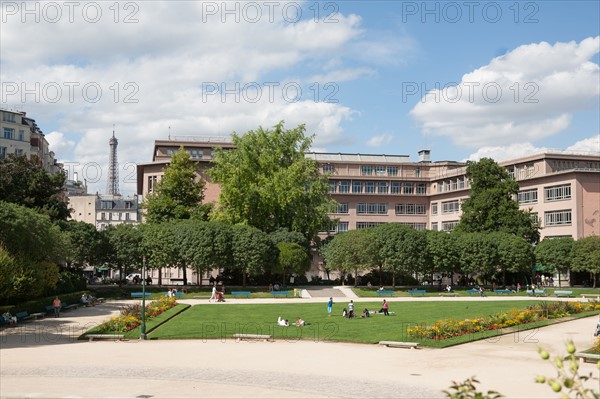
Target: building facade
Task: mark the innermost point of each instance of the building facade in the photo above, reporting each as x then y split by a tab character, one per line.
104	210
21	135
561	189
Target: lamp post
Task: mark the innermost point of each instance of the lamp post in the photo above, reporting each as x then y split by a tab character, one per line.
143	334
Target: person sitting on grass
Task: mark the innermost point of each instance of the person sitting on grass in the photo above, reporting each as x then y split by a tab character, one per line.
365	313
299	322
282	322
344	313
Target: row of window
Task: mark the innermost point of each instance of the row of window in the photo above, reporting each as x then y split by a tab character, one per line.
8	117
447	207
9	134
4	152
112	204
552	193
196	154
372	187
381	209
451	185
121	216
557	166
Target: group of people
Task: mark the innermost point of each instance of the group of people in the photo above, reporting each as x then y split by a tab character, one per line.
285	323
349	313
9	318
172	292
217	296
88	300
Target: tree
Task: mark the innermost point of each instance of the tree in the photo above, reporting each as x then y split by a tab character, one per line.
400	248
514	254
292	258
586	256
554	255
24	182
352	252
491	207
178	195
478	254
126	251
268	182
85	244
159	246
443	252
253	251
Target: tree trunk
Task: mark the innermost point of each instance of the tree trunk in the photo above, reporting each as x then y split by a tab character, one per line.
244	279
283	282
380	276
559	279
504	278
184	265
394	278
160	276
355	276
594	274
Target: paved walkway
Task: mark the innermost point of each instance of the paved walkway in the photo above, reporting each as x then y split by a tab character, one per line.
42	359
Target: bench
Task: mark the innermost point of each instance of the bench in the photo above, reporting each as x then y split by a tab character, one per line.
591	296
69	307
568	294
49	309
178	294
417	292
448	294
473	292
254	337
536	293
505	292
116	337
140	294
398	344
280	293
385	292
36	316
241	293
23	316
588	357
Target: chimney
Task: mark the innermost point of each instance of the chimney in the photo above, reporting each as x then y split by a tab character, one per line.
424	156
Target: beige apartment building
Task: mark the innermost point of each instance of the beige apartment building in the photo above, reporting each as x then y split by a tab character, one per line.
21	135
562	188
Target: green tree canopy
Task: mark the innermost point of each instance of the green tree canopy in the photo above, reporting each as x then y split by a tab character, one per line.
478	254
253	251
178	195
159	246
554	254
514	254
443	252
491	207
85	244
24	182
352	252
292	258
586	256
125	249
267	182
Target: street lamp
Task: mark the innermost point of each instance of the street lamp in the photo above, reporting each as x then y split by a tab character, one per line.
143	334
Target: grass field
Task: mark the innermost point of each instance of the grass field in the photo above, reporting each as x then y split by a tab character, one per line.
215	321
364	292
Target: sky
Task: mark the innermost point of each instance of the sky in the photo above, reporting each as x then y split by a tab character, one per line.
465	79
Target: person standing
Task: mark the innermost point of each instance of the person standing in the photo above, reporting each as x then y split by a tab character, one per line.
351	309
57	304
329	306
213	294
385	308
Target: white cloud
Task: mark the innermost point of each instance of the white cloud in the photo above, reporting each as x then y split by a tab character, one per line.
379	140
525	95
591	144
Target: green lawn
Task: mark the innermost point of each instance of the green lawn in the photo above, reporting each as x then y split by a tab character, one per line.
364	292
215	321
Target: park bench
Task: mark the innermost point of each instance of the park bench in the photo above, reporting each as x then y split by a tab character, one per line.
178	294
37	315
280	293
588	357
385	292
253	337
23	316
473	292
537	293
417	292
398	344
49	309
116	337
140	294
504	292
241	293
568	294
591	296
448	294
65	306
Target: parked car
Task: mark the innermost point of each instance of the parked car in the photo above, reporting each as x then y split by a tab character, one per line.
134	278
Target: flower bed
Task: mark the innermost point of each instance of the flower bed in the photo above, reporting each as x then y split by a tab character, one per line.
131	316
448	328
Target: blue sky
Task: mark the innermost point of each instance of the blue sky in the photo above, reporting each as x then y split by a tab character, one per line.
372	63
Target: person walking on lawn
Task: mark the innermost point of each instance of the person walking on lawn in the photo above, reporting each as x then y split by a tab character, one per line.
329	306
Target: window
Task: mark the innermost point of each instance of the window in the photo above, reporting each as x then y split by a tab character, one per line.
556	193
416	226
110	215
339	227
396	187
127	216
454	186
450	206
434	208
341	208
421	188
417	171
380	170
450	225
106	205
410	209
371	208
344	186
120	216
328	168
557	218
434	226
446	186
382	187
332	185
21	135
6	117
103	216
127	205
370	187
357	187
366	170
392	171
3	152
511	171
409	188
18	151
527	196
461	183
9	133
